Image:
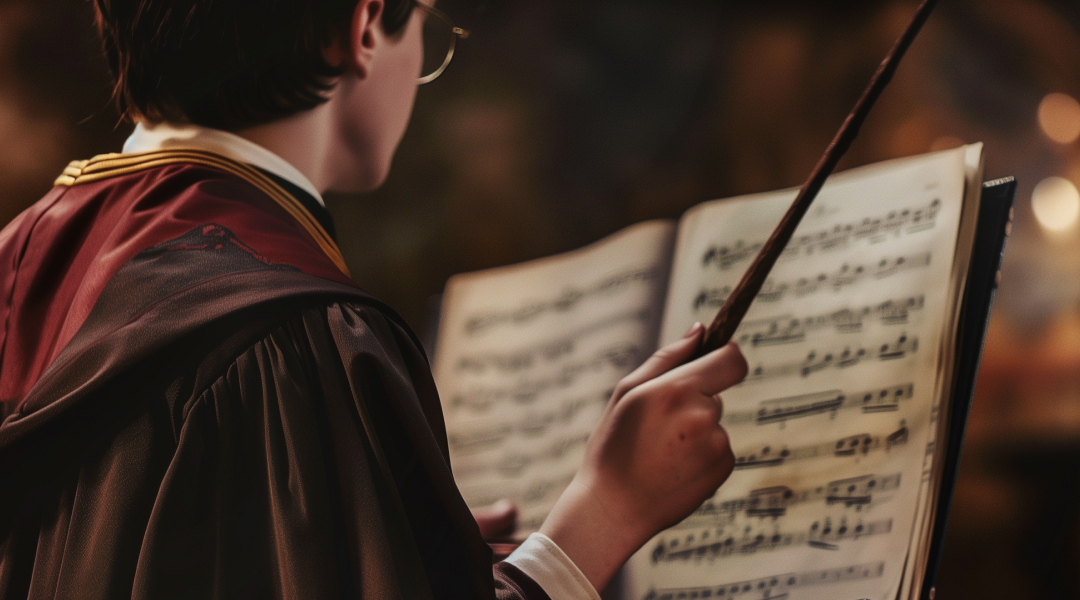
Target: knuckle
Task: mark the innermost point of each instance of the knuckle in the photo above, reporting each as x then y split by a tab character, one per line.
721	436
723	439
716	413
667	391
728	453
679	394
699	421
718	400
681	388
721	446
702	422
739	364
665	398
710	412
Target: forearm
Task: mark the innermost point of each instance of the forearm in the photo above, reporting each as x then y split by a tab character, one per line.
592	533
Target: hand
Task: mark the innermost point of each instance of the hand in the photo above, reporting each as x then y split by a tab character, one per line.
496	523
657	454
497	520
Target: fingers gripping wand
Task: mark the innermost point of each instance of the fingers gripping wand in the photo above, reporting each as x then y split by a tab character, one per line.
738	302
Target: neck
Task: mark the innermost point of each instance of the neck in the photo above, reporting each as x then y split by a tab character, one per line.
306	140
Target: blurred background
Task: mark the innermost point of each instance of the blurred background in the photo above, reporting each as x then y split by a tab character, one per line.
562	121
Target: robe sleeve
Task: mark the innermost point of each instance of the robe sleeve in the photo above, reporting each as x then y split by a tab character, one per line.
381	351
354	392
297	455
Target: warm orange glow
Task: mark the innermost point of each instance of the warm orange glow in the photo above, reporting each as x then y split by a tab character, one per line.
946	142
1059	117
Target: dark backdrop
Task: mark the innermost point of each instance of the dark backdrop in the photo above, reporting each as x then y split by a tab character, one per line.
562	121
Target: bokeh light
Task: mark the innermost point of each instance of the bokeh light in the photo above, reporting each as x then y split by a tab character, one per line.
1056	203
1059	117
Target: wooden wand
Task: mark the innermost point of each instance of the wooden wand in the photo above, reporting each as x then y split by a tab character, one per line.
738	302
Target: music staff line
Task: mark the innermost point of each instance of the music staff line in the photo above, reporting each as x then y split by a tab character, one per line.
785	329
909	220
514	464
622	358
565	301
524	358
779	410
714	545
846	275
773	502
849	446
530	426
775	587
849	356
526	495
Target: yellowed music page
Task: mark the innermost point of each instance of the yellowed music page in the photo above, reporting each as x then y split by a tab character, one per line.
833	425
528	356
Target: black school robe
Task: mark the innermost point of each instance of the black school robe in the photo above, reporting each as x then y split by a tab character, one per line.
203	404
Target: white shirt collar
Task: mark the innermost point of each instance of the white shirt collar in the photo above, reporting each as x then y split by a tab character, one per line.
159	136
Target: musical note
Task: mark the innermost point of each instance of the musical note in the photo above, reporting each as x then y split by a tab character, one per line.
465	441
711	298
528	356
774	501
514	464
846	275
848	446
779	410
849	356
827	429
898	437
911	220
714	544
858	491
725	256
775	587
785	329
479	439
564	302
621	358
516	360
524	494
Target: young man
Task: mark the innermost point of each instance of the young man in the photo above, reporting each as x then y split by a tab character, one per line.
208	406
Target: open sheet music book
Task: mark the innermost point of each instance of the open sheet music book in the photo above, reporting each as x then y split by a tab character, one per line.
845	428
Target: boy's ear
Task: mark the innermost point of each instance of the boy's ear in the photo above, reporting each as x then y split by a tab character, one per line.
355	49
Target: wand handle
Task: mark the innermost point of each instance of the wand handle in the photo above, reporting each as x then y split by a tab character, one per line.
731	314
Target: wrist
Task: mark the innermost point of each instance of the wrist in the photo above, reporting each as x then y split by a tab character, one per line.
593	532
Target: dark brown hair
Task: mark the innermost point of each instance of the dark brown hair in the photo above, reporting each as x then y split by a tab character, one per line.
227	64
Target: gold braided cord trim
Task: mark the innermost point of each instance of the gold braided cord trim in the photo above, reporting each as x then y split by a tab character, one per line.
71	171
112	165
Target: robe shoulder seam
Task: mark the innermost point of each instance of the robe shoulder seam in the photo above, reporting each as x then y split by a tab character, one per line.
105	166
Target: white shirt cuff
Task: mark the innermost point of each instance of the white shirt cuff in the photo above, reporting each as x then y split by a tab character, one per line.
546	564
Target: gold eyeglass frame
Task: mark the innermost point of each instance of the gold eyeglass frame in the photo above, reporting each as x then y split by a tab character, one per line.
455	33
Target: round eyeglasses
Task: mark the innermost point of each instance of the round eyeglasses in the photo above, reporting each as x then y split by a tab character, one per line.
440	39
